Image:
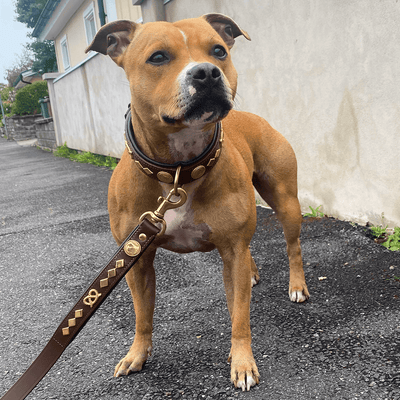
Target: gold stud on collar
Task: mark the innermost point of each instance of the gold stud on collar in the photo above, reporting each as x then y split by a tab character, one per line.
211	162
145	170
198	172
165	177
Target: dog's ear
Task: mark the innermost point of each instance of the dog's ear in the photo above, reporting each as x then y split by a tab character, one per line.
112	39
227	28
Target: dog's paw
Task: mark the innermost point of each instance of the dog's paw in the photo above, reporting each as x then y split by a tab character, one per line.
244	373
254	280
255	276
132	362
298	295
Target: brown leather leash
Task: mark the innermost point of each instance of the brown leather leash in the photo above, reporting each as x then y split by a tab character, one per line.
125	257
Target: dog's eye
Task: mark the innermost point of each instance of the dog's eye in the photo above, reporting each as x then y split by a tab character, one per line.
158	58
219	52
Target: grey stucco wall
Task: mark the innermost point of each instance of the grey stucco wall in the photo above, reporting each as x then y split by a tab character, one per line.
326	75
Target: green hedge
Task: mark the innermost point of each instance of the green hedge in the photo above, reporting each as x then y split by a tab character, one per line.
27	99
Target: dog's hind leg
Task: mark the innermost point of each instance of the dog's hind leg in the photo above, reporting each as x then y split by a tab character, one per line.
275	179
142	283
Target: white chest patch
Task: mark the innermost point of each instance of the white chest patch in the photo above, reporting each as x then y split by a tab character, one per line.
183	234
191	141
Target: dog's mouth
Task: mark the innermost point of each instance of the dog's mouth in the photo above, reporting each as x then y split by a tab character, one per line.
169	120
203	109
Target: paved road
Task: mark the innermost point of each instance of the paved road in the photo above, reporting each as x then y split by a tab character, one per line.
344	343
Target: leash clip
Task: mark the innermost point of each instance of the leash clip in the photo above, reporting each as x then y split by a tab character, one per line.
165	204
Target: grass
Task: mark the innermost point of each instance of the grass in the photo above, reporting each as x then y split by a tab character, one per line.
44	149
315	212
392	242
86	157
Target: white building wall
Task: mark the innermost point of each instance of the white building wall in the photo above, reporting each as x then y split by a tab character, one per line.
324	73
91	102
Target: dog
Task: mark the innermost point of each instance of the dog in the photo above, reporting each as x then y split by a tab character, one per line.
183	85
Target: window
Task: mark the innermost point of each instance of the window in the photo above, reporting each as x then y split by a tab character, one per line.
90	23
110	10
64	52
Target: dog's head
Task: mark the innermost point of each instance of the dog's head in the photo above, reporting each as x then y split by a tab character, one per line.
180	73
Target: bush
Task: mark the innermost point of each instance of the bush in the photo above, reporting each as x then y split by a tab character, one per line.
7	96
5	93
27	99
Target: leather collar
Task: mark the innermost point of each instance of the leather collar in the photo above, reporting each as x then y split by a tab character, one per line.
190	170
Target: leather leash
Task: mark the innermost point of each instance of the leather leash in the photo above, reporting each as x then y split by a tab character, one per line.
125	257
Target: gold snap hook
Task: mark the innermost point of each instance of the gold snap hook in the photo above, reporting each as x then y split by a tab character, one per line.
167	204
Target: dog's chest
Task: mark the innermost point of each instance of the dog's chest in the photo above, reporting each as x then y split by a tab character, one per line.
184	233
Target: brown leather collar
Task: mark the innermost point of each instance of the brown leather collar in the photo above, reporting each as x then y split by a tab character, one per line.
190	170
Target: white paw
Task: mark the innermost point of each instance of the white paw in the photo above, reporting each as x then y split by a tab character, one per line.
297	296
246	383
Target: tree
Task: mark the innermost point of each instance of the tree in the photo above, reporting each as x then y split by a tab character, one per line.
44	56
28	11
43	53
23	63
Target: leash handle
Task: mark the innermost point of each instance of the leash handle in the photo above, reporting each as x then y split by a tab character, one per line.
125	257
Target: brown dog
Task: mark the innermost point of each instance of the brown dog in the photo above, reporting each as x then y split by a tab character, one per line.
183	84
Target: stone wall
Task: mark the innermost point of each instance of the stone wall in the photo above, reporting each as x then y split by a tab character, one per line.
22	127
31	127
45	133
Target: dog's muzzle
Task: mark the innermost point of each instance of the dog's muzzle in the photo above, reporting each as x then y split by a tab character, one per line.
206	93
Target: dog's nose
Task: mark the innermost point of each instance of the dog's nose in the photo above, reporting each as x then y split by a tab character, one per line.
206	73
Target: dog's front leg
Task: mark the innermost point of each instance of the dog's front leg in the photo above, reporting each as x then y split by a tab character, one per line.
237	280
142	283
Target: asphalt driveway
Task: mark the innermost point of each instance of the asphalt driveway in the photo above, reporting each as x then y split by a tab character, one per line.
344	343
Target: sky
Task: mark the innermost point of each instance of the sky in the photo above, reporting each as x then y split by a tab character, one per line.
13	37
